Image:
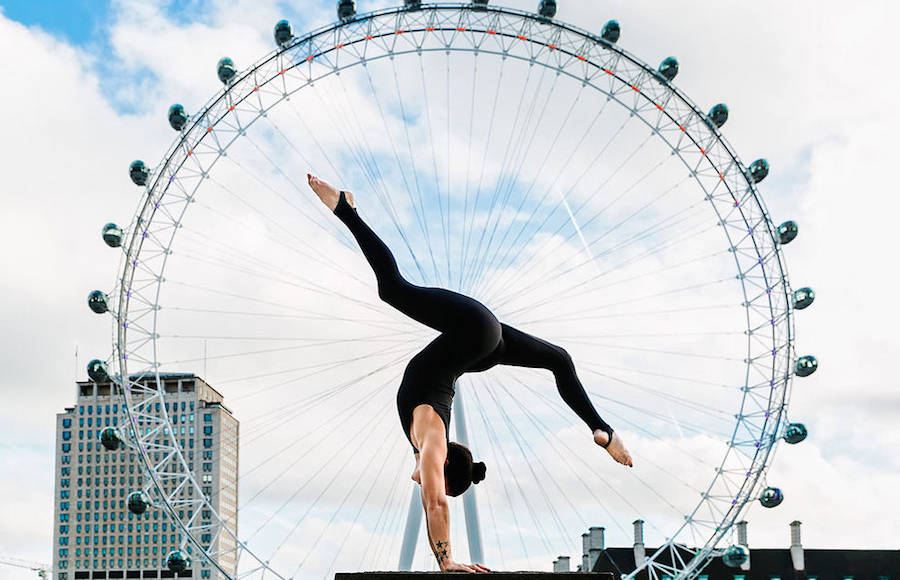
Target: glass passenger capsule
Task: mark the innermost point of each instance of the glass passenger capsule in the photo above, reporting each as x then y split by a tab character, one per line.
718	114
109	438
735	556
758	170
98	302
412	4
283	32
771	497
787	231
803	297
177	117
226	70
669	68
346	10
112	235
98	371
177	561
795	433
138	172
611	31
138	502
547	8
806	365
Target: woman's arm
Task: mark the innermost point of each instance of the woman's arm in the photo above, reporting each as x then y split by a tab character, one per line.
428	431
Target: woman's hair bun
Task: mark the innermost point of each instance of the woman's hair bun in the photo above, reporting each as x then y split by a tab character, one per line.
478	471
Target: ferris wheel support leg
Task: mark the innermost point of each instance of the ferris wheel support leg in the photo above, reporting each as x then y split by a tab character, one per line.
470	506
411	533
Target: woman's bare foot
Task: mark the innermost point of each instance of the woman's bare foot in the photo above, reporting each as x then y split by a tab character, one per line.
616	448
328	193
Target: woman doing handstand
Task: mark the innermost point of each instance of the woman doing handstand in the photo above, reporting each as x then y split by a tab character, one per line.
471	340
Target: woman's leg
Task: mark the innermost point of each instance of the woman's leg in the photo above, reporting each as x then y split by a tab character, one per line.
439	308
524	350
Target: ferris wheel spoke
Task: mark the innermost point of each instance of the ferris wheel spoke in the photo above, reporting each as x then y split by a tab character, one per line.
385	198
496	262
381	522
570	189
265	185
528	288
362	442
416	208
543	429
401	328
346	497
363	503
467	241
591	260
420	203
480	254
525	451
670	397
494	439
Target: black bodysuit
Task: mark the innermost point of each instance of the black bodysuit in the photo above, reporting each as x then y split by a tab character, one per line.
471	339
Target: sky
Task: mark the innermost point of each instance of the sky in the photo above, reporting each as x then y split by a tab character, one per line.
807	89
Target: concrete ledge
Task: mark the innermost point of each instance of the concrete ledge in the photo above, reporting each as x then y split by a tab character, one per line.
524	575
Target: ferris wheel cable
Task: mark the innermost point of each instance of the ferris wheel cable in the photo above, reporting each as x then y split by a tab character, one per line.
654	273
333	265
320	366
291	407
501	172
665	224
393	212
682	424
535	420
491	256
569	159
347	495
363	442
313	287
350	408
557	408
534	180
690	403
463	248
381	521
518	485
509	178
529	287
415	173
363	504
692	380
469	146
517	437
491	436
406	188
265	185
561	412
542	534
572	187
586	223
252	352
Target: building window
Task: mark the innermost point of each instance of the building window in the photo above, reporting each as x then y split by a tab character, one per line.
67	423
66	447
207	417
207	429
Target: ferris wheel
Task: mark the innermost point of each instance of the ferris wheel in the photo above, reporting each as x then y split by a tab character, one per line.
536	166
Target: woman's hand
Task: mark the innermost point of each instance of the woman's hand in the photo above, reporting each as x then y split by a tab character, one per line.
451	566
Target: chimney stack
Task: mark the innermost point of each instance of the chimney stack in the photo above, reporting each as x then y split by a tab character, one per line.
585	549
639	553
742	541
561	564
796	547
596	544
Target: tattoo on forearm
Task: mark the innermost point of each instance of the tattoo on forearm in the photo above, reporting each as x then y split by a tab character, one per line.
441	551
